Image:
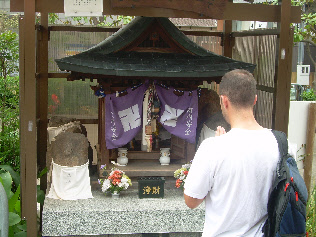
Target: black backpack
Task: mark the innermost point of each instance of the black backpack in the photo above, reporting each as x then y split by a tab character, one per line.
287	201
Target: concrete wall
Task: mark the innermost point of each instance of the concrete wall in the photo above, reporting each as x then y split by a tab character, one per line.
5	5
297	131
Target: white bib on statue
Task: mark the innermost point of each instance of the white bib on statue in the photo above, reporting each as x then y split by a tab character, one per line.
70	183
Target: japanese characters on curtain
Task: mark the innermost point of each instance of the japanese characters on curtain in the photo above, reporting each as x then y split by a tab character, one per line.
178	114
123	117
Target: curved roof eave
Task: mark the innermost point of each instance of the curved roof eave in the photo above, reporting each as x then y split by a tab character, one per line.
106	58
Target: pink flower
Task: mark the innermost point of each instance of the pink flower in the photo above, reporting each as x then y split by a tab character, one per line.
178	183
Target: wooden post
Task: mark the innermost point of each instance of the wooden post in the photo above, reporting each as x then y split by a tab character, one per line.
284	69
228	41
310	138
104	158
23	127
28	120
42	93
42	90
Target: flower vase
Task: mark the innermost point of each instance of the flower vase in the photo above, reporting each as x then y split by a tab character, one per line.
122	159
115	194
165	156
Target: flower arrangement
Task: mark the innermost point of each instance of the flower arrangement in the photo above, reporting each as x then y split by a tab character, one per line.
181	174
116	181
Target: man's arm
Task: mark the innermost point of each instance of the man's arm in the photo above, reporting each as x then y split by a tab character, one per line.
192	202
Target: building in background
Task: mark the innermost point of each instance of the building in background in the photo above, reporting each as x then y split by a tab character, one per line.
5	5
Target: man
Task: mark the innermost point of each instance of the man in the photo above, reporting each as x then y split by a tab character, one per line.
234	172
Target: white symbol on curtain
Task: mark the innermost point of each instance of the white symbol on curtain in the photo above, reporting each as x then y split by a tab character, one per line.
170	116
130	118
189	121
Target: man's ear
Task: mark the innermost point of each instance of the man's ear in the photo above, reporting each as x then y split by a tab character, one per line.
255	101
225	101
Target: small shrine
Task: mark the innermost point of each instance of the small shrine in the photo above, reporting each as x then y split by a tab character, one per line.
133	57
149	74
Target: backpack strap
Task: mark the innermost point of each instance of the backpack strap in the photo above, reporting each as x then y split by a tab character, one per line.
283	149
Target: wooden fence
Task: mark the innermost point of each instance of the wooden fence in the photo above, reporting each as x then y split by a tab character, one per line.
260	50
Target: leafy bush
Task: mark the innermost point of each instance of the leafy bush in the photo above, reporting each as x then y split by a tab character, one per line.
10	180
11	183
9	122
309	95
9	53
311	214
9	99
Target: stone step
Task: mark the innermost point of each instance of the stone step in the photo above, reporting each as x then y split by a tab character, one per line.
103	215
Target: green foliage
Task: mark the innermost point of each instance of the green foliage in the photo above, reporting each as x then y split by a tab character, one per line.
11	183
110	21
8	22
311	214
308	31
9	100
9	122
9	53
10	180
309	95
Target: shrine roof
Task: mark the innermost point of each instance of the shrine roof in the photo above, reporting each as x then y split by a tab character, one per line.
124	54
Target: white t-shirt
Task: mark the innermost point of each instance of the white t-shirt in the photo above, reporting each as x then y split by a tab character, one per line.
234	172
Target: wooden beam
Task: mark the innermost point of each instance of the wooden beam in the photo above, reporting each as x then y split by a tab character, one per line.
259	32
28	120
82	28
217	9
59	75
103	29
186	32
308	161
284	70
214	9
176	8
202	33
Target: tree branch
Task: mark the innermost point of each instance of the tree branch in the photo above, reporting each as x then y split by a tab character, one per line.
313	29
308	42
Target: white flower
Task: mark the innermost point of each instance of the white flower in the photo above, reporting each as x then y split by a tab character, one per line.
124	182
182	177
112	172
106	185
126	185
186	166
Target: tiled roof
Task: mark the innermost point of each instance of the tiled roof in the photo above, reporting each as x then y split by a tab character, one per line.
107	59
151	64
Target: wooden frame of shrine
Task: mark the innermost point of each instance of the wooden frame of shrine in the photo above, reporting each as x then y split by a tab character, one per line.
34	66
